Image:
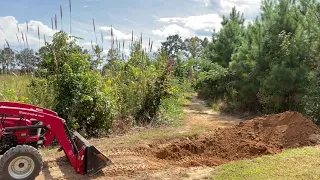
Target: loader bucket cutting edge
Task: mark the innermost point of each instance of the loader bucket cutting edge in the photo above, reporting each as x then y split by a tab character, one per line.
94	159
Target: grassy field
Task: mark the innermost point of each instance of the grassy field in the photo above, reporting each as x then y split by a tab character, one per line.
13	88
301	163
13	82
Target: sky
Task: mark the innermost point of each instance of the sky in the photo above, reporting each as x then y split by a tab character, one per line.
155	19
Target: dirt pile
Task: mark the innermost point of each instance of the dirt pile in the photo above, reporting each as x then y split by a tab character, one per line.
260	136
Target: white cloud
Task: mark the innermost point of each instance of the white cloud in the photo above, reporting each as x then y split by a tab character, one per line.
248	7
212	21
206	2
8	31
171	30
116	33
187	26
203	37
156	45
87	45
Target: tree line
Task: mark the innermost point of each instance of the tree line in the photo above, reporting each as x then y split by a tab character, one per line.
24	61
268	65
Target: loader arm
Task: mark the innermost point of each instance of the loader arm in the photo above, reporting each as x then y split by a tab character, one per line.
28	106
77	149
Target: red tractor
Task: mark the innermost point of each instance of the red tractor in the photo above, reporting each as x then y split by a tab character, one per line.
24	128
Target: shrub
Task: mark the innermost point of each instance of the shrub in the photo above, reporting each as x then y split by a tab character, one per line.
311	100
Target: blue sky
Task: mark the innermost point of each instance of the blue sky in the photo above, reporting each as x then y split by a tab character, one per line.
155	19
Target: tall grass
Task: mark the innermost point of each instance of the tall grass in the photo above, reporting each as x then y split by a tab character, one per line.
25	89
13	88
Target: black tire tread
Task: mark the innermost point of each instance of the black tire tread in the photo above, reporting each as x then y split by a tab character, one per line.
18	150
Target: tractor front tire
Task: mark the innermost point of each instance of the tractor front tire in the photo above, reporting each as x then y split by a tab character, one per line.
21	163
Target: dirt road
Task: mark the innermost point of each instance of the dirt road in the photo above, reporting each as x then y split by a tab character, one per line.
130	153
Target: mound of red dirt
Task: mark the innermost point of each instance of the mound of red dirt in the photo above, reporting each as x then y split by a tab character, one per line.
260	136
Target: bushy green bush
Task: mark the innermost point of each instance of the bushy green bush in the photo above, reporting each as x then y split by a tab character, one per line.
311	101
70	86
213	81
80	97
139	85
171	109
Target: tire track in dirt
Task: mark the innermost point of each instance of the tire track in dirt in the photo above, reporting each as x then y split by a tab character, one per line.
128	161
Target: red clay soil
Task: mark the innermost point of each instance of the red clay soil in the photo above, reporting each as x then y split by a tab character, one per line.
265	135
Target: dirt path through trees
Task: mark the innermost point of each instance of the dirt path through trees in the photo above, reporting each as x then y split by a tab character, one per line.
199	115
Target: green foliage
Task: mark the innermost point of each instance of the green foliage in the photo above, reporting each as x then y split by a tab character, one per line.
54	54
171	110
76	91
195	46
41	92
80	97
129	81
212	80
243	66
6	60
158	91
142	88
139	85
268	62
311	100
283	66
97	58
173	45
225	43
27	60
268	65
185	53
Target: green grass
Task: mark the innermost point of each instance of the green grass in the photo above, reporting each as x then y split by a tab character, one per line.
168	133
173	108
13	88
301	163
148	135
13	82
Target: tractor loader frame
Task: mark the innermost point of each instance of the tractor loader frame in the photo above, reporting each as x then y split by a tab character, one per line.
24	127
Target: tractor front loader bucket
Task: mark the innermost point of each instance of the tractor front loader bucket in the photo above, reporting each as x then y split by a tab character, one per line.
94	160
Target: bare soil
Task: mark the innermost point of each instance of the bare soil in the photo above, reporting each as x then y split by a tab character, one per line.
224	139
260	136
